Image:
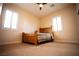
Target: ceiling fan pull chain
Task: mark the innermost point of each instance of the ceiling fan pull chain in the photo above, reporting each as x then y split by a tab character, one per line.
40	8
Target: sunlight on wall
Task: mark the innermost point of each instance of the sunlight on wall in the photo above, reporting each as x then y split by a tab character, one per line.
57	24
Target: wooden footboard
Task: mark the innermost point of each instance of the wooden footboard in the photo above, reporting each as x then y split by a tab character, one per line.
30	38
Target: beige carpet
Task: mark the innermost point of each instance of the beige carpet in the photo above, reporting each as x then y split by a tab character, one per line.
46	49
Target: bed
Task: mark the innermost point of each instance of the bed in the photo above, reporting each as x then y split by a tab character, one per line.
44	34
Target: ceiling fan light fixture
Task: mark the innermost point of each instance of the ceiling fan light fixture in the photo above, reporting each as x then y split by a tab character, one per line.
41	5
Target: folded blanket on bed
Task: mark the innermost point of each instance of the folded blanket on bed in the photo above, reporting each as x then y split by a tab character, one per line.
44	37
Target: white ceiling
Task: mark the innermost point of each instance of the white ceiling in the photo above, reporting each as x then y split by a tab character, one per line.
34	8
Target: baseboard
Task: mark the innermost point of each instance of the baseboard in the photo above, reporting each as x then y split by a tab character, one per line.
14	42
69	42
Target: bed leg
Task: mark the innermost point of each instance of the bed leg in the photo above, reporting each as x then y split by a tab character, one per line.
36	43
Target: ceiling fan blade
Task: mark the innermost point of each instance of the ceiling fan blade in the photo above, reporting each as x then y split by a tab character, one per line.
44	3
51	5
41	3
38	3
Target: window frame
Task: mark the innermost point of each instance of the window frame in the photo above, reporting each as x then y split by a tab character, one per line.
57	28
1	7
3	19
16	20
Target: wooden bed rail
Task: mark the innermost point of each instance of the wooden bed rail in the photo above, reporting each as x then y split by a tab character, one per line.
30	38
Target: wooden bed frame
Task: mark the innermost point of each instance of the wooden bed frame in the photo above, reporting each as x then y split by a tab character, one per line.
32	38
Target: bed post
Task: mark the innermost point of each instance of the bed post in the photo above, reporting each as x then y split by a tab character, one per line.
36	40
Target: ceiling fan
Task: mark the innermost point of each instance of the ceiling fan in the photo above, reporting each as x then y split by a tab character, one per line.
42	4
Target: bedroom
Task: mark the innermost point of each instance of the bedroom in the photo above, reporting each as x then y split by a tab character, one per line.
29	18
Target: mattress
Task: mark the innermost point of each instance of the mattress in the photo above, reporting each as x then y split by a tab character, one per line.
44	37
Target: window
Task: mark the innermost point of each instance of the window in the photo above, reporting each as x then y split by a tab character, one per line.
10	20
14	20
0	8
7	19
57	24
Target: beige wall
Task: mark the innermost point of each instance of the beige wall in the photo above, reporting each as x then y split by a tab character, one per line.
78	18
26	23
69	21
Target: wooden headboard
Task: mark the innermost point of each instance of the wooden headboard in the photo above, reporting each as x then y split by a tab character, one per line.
45	30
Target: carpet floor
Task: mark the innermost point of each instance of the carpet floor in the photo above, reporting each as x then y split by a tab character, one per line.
46	49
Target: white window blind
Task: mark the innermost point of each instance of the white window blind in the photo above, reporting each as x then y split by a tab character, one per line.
10	20
7	19
0	8
57	24
14	20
